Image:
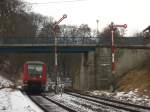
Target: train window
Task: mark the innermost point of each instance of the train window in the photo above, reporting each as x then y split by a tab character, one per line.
35	70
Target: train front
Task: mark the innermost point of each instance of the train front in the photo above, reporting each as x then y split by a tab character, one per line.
34	79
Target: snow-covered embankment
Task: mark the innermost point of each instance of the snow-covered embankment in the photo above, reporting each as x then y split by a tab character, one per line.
12	100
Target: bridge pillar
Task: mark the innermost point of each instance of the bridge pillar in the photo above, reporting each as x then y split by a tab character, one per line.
103	68
85	79
87	74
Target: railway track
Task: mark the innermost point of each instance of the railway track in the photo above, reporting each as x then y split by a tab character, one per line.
79	104
112	103
49	104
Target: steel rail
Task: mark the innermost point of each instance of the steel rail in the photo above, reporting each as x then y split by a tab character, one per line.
30	97
51	100
116	101
112	103
60	104
38	104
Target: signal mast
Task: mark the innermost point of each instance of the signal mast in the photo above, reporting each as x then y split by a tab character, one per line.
113	48
55	32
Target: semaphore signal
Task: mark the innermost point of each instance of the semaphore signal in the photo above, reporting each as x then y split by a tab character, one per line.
113	27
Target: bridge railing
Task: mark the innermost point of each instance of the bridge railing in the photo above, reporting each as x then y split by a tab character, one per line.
24	40
132	41
50	40
124	41
79	41
104	41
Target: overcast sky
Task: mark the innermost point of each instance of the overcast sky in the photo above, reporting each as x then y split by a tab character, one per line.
134	13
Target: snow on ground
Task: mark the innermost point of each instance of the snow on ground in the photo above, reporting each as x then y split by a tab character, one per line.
4	82
131	96
13	100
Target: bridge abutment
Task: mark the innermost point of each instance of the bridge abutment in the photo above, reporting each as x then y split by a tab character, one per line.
103	73
95	70
85	79
87	73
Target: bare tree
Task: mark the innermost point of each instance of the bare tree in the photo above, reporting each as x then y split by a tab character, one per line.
84	30
9	9
107	32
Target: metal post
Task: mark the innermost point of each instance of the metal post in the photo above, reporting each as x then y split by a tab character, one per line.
56	58
113	52
56	53
97	28
113	27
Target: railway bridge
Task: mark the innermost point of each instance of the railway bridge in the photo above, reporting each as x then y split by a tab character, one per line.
68	44
96	59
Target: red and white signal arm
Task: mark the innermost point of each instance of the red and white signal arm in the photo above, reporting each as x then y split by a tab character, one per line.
65	16
124	26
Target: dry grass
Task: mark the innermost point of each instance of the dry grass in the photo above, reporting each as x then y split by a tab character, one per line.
137	79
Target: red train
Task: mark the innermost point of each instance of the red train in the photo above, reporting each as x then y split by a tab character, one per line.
34	76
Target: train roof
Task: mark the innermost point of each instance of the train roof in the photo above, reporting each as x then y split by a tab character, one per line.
34	62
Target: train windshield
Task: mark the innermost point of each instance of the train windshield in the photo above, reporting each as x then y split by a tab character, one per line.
35	70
